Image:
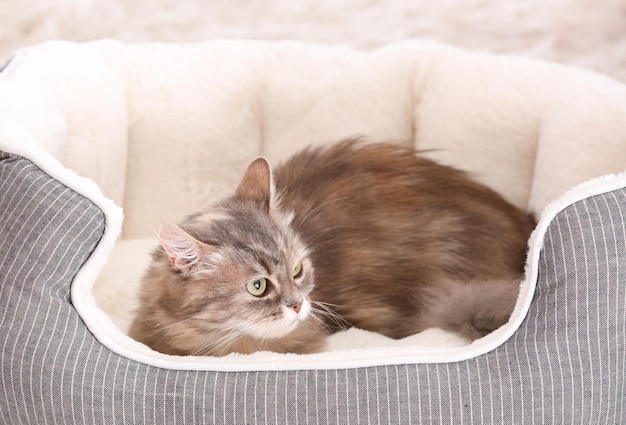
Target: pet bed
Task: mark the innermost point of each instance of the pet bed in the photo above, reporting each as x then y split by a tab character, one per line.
163	129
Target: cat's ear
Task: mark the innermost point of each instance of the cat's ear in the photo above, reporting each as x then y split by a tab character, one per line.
257	184
183	250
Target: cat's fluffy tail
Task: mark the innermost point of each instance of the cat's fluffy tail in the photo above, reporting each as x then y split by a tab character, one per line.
472	309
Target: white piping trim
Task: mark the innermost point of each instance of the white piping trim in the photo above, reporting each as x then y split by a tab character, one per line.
15	139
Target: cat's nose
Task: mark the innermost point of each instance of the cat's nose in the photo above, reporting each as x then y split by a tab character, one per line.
294	303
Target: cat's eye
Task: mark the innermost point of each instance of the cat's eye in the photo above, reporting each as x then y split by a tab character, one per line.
297	272
257	287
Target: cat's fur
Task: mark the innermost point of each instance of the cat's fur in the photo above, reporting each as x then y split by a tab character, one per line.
389	242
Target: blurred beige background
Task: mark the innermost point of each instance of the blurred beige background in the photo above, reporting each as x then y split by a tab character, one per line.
588	33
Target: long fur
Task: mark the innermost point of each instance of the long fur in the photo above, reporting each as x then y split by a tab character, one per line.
389	242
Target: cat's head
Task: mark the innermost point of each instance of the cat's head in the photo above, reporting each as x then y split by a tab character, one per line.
239	267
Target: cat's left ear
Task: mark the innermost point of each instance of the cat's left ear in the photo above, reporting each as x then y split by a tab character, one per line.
183	250
257	184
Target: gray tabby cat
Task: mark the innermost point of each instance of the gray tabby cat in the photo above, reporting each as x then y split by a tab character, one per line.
366	235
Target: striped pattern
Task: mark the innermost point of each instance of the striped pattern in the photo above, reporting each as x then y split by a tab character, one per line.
564	365
5	65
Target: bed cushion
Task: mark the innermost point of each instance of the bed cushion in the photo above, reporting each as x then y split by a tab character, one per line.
559	359
565	363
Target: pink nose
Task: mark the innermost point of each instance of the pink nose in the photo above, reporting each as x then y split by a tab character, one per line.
296	307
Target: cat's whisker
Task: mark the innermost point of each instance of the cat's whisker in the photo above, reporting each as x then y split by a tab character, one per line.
336	321
322	324
327	311
328	304
337	318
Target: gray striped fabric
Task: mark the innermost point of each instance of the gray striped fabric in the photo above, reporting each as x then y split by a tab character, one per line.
5	65
565	364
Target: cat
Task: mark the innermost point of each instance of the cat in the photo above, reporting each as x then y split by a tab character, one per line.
370	235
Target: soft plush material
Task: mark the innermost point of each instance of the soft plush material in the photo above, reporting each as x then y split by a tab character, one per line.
161	130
